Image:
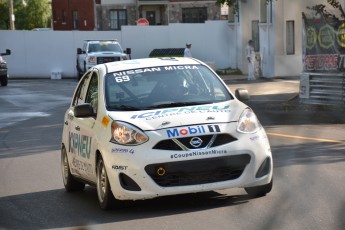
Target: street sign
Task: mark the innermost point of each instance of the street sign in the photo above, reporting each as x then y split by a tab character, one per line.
142	22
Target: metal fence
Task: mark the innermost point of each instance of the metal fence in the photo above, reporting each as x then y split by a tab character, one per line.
323	89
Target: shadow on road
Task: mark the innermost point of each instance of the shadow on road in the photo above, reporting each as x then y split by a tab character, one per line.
305	154
81	208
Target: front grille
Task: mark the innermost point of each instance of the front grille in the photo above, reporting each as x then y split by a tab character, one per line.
101	60
184	143
201	171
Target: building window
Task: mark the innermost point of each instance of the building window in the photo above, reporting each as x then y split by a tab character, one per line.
64	16
194	15
255	35
118	18
290	37
263	11
232	14
75	20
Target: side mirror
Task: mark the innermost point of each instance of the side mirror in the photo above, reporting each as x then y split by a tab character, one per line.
83	110
128	51
79	51
8	52
242	94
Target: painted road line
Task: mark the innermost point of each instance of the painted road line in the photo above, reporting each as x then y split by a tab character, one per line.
306	138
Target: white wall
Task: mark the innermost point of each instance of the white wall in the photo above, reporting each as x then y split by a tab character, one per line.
35	54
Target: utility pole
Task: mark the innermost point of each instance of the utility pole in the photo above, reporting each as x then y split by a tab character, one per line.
12	18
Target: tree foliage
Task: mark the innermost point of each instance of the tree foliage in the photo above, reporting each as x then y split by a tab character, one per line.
321	9
29	14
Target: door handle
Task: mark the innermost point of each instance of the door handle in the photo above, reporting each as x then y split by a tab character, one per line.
77	128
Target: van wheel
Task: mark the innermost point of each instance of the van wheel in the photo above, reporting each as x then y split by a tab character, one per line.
4	81
70	183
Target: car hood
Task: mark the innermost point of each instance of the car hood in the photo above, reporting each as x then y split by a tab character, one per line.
182	116
107	53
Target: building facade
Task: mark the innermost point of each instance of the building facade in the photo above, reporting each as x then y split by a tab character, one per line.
111	15
73	14
276	28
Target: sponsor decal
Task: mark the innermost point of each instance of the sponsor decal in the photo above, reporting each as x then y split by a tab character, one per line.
326	36
180	111
322	62
197	154
341	35
105	121
81	166
79	144
119	167
254	138
122	150
191	130
311	37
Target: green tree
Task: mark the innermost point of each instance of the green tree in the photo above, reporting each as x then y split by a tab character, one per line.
38	14
29	14
4	15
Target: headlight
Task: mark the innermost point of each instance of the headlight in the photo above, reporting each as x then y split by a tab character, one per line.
91	59
126	134
248	122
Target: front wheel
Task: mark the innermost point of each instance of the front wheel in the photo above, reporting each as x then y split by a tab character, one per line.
105	196
4	81
70	183
259	191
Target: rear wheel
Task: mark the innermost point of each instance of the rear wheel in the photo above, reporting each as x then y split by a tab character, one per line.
105	196
259	191
70	183
4	81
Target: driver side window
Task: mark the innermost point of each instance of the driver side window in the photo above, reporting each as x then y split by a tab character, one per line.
92	92
79	97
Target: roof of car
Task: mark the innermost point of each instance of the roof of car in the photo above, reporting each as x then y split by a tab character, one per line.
148	62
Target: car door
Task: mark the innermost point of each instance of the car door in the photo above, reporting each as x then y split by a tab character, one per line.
81	135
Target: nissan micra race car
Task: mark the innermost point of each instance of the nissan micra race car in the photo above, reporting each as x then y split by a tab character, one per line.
144	128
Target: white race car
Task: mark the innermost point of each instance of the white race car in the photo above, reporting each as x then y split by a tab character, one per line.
144	128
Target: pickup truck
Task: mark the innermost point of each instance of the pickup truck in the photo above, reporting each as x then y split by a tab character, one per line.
3	68
98	52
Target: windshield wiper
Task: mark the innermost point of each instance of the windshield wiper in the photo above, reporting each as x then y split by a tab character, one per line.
174	104
123	108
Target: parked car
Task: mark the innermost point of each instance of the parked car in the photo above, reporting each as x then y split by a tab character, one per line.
3	68
98	52
140	129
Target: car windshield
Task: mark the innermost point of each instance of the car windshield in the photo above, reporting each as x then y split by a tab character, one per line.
163	87
104	47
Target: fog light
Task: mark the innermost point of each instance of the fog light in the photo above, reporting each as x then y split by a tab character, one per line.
265	168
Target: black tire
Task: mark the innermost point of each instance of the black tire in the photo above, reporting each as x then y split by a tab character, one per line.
70	183
105	196
259	191
4	81
79	75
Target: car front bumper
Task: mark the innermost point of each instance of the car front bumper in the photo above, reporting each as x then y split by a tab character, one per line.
142	173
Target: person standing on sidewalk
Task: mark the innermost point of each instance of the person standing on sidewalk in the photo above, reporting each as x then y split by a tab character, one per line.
187	50
250	56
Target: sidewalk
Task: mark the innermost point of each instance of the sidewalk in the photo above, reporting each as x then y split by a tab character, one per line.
277	99
265	90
